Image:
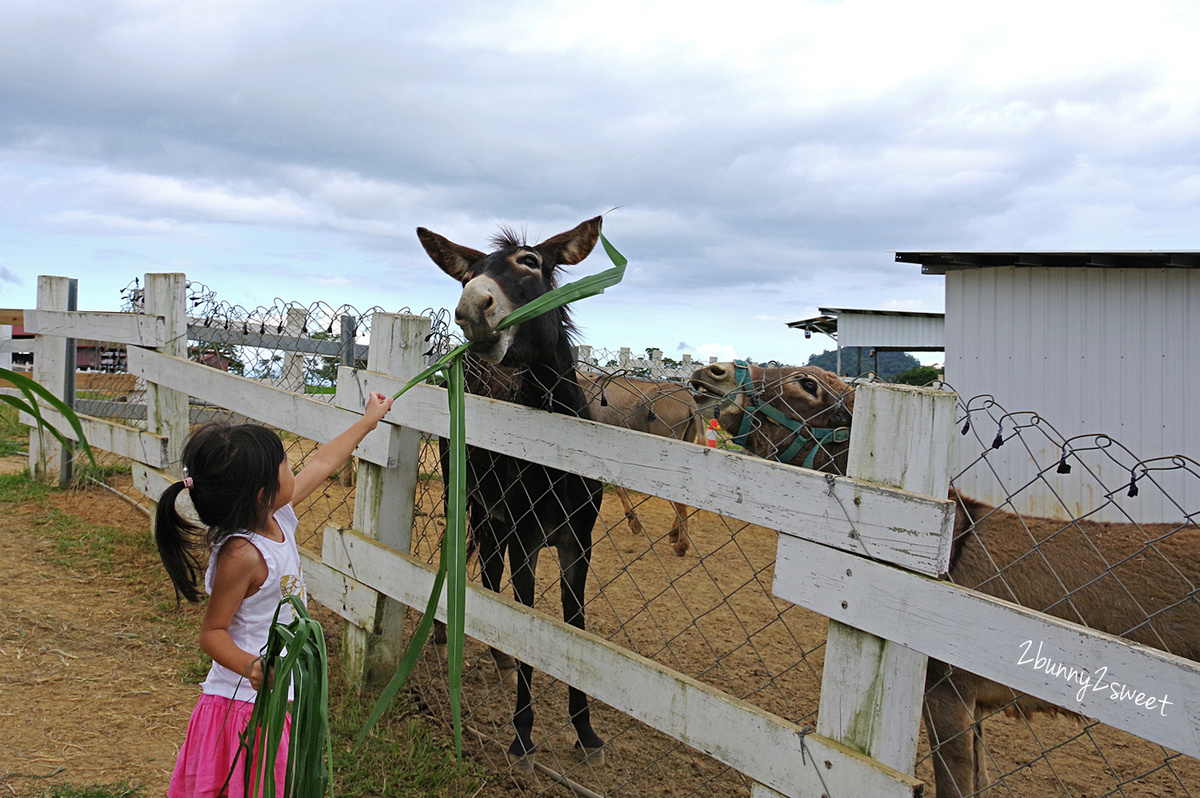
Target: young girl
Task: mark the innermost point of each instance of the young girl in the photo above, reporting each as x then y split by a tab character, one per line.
243	489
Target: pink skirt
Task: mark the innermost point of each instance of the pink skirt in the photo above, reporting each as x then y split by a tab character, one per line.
208	752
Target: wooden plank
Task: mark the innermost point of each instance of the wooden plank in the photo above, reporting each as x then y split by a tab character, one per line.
234	336
872	689
22	345
766	748
882	523
352	600
136	411
1001	641
12	316
103	435
311	418
123	328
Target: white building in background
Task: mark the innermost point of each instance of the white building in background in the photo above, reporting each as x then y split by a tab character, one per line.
881	330
1095	343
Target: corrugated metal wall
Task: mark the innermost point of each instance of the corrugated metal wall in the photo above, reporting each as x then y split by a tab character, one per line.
880	330
1108	351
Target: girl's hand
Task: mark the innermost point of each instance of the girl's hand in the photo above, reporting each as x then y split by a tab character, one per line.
255	674
377	407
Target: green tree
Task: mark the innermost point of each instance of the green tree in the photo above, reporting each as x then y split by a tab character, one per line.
890	363
921	375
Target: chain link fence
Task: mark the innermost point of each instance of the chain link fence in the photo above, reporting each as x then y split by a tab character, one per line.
1129	577
692	590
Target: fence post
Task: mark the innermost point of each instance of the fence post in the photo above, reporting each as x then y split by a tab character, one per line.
5	343
167	409
384	501
70	363
291	376
49	369
656	366
872	689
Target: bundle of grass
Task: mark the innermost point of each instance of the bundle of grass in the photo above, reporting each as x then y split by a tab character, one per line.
295	656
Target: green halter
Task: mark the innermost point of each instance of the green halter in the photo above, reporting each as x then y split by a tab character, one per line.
818	436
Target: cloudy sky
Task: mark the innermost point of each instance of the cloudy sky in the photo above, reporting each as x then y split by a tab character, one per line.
766	157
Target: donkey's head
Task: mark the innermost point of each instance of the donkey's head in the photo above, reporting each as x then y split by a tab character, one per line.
795	415
497	284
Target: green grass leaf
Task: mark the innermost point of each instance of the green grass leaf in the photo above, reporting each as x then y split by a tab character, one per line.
32	390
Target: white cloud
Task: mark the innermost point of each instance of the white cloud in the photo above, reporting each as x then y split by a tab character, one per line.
766	161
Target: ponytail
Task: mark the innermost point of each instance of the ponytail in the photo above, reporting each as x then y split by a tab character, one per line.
179	546
236	473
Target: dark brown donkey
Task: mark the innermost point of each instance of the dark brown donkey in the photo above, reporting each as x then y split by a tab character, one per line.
653	406
515	506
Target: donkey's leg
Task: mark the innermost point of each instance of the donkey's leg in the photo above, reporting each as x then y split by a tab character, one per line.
679	533
635	525
523	564
491	548
950	721
574	557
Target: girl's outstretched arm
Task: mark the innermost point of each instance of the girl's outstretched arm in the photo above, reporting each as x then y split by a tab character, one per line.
329	457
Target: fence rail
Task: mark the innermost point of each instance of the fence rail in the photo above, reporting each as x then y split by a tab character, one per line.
865	554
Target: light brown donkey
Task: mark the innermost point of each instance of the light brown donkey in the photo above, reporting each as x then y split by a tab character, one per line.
653	406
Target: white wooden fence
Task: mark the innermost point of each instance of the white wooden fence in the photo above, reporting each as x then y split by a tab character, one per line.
865	552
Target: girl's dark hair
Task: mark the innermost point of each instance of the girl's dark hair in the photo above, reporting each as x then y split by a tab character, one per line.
235	478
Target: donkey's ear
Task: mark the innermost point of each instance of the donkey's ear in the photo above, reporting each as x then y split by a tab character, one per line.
573	246
452	258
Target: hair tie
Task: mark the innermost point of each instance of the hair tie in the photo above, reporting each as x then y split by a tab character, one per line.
187	482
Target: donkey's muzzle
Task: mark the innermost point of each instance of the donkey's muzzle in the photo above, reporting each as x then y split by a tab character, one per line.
482	306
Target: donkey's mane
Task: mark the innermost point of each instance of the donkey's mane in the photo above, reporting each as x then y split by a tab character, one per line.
509	237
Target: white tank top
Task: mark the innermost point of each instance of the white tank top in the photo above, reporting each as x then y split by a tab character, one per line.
252	621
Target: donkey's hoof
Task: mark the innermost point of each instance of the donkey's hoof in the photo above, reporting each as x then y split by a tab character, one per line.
521	764
520	756
592	756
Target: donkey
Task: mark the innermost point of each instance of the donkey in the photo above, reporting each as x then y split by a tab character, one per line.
653	406
1136	581
795	415
514	506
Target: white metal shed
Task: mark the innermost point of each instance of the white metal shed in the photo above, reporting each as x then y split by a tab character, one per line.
882	330
1100	342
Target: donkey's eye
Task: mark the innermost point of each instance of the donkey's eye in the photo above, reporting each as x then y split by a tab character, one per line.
529	260
809	385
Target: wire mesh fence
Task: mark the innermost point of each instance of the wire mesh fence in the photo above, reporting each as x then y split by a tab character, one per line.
692	590
1132	578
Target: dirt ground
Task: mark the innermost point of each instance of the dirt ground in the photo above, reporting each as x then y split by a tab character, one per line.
97	679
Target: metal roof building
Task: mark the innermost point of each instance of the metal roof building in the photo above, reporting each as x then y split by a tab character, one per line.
882	330
1093	342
